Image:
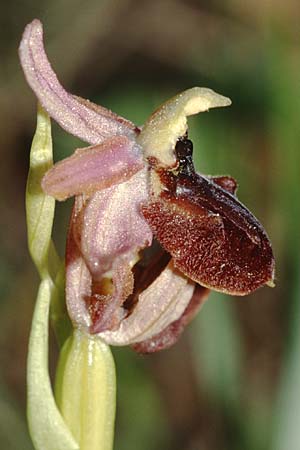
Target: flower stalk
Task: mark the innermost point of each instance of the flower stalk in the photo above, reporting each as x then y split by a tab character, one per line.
39	206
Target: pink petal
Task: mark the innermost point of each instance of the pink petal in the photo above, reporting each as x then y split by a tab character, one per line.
172	332
163	302
93	168
111	225
81	118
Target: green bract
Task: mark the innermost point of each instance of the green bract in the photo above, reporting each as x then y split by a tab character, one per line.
86	390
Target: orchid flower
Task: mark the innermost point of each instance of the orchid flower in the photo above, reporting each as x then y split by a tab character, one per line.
136	190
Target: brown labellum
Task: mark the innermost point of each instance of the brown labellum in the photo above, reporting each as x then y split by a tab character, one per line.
211	236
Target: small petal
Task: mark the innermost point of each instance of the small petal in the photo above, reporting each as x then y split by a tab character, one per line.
161	131
171	334
93	168
90	123
111	225
163	302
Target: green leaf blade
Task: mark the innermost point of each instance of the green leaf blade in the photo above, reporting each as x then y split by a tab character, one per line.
47	427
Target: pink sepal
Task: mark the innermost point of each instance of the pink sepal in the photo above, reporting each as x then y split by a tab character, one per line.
79	117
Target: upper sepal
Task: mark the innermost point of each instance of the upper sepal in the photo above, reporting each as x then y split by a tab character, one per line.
79	117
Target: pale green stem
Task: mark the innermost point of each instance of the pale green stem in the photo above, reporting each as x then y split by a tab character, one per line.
47	427
86	384
39	206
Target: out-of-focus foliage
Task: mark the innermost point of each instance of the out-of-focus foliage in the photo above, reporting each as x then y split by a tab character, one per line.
233	380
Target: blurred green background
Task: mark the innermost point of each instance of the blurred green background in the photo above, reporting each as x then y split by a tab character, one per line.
233	379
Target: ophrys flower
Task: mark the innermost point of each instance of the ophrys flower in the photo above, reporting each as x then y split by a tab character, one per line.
133	184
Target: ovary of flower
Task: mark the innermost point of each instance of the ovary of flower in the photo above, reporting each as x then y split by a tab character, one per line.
132	185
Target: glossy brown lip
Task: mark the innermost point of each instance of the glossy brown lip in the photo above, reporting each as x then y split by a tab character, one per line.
214	239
